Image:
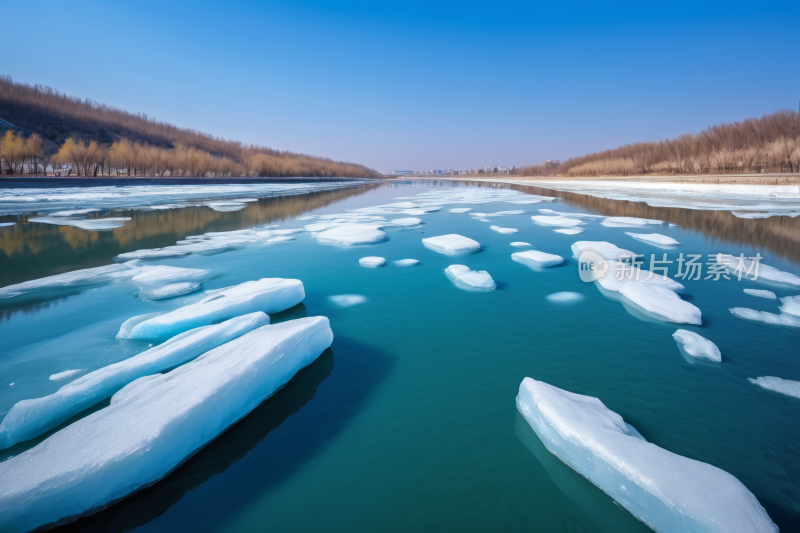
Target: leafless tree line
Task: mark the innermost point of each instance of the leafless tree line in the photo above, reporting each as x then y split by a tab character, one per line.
767	144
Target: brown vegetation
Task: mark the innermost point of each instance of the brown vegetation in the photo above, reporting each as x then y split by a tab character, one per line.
97	139
756	145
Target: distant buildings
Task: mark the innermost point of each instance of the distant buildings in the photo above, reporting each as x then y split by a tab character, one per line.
491	169
401	172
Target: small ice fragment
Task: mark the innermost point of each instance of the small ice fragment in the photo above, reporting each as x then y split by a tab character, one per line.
629	222
791	305
535	258
465	277
783	319
372	262
406	262
761	294
346	300
565	297
451	244
573	231
781	386
662	303
694	345
520	244
66	374
504	231
666	491
406	221
544	220
460	209
656	239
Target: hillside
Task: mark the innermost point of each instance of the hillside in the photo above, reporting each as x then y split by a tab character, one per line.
770	144
152	146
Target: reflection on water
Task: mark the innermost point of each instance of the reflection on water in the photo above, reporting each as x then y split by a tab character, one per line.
33	250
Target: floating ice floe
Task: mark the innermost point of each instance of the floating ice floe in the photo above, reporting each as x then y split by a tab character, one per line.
520	244
270	295
781	386
791	305
505	231
758	272
406	221
89	224
451	244
153	425
783	319
761	294
406	262
564	297
666	491
226	206
460	209
573	231
163	274
73	212
569	215
350	234
629	222
546	220
30	418
155	253
66	374
465	277
537	259
618	274
656	239
498	214
697	346
604	249
372	262
661	303
6	224
171	290
346	300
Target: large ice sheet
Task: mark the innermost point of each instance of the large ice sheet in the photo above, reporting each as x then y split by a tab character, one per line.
781	386
467	278
656	239
163	274
350	234
451	244
783	319
30	418
668	492
153	425
557	220
697	346
537	259
270	295
661	303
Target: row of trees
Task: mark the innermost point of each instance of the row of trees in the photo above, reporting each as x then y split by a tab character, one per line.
20	154
767	144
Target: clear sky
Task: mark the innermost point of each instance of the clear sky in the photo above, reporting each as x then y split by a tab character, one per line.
418	84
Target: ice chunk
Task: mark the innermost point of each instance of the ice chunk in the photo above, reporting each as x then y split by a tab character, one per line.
276	240
783	319
151	428
535	258
666	491
573	231
451	244
349	234
372	262
545	220
656	239
604	249
163	274
761	294
499	213
155	253
661	303
570	215
758	272
66	374
629	222
460	209
270	295
226	206
172	290
127	326
791	305
6	224
781	386
504	231
521	244
694	345
565	297
406	221
618	274
406	262
294	231
464	277
346	300
90	224
30	418
73	212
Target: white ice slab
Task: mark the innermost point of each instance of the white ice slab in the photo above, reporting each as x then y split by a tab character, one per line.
564	297
761	273
406	262
629	222
557	220
618	274
791	305
171	290
6	224
668	492
761	294
781	386
467	278
30	418
661	303
270	295
153	425
372	262
163	274
537	259
505	231
451	244
155	253
346	300
520	244
410	221
604	249
783	319
350	234
573	231
656	239
460	209
697	346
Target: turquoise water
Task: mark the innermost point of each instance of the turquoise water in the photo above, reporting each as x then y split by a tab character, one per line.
409	421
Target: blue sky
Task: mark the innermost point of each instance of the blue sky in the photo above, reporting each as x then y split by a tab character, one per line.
418	84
